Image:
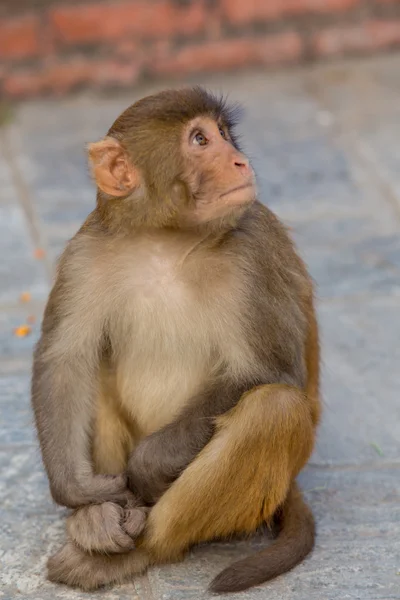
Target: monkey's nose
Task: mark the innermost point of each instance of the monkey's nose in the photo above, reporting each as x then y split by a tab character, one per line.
243	165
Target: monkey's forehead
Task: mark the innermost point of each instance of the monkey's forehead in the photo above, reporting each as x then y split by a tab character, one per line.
178	106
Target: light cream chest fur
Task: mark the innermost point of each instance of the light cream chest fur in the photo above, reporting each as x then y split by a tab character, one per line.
179	316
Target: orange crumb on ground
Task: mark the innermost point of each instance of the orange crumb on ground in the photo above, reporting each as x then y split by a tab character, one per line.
22	331
31	319
25	297
39	253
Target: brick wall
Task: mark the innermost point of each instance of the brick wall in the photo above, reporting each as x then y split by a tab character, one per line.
50	47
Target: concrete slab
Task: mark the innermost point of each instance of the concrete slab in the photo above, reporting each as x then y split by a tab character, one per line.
19	270
12	346
356	555
362	99
324	141
16	422
361	382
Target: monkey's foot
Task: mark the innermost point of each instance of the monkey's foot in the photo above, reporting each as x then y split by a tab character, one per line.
76	568
106	527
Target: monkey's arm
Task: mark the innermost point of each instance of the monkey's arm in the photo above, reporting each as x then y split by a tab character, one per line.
160	457
64	381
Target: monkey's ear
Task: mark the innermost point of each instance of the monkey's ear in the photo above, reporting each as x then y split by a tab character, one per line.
111	167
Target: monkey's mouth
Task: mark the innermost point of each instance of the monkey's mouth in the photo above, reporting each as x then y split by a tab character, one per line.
237	189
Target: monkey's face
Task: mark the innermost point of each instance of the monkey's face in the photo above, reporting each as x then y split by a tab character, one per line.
220	179
171	160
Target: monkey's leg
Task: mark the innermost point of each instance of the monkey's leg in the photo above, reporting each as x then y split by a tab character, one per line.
238	481
113	435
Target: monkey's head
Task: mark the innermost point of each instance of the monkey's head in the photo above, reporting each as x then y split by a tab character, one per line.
172	160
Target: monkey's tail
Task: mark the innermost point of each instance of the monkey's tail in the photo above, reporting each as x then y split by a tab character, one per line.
295	540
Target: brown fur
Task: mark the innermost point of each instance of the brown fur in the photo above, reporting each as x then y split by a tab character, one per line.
179	345
236	483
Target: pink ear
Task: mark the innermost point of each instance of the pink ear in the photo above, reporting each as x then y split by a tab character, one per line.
112	169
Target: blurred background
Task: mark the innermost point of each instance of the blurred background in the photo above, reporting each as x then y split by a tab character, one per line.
56	46
320	84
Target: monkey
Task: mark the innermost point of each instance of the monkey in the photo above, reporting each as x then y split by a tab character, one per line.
175	384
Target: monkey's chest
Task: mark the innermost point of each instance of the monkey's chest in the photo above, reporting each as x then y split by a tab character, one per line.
175	329
170	349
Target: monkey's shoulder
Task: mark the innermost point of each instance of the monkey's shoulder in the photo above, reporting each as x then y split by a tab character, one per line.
265	242
261	227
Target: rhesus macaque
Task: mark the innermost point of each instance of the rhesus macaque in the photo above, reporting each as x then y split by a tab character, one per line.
175	384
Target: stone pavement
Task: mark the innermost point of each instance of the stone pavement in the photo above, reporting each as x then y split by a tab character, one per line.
325	142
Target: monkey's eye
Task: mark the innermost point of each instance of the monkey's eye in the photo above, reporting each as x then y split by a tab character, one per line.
200	139
222	132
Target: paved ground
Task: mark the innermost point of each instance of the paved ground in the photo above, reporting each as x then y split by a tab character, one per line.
326	145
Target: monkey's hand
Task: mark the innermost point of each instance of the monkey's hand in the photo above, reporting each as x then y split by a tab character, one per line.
107	527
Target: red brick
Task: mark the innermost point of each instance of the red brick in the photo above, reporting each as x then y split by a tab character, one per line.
111	21
245	11
367	36
111	73
230	54
127	48
19	37
60	78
